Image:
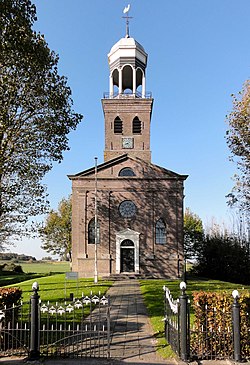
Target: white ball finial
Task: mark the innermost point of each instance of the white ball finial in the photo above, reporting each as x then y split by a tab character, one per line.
183	285
35	286
235	294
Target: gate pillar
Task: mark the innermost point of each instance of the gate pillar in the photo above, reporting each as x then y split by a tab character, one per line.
184	323
236	326
34	325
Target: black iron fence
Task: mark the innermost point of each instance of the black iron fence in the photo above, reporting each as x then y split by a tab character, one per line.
14	333
177	323
78	328
216	335
172	323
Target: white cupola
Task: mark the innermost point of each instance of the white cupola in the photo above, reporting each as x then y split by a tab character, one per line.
127	63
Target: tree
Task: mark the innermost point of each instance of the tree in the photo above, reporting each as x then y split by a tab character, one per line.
193	234
223	257
56	232
35	116
238	140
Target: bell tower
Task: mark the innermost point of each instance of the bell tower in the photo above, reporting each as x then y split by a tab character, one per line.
127	106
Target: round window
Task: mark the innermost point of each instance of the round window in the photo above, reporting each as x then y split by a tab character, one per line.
127	209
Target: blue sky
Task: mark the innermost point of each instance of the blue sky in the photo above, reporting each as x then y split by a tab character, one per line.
198	55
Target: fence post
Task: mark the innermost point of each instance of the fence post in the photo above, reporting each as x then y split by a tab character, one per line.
108	329
184	323
236	326
34	325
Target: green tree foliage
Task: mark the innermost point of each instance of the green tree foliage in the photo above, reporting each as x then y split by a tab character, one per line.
35	116
238	140
56	232
223	257
193	234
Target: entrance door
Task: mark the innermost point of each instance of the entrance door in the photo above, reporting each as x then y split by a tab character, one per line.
127	256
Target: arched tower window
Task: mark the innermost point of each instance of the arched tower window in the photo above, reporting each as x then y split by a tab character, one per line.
91	232
139	76
136	126
127	79
115	76
160	232
126	171
118	127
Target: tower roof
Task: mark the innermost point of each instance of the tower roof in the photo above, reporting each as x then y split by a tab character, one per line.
126	42
127	48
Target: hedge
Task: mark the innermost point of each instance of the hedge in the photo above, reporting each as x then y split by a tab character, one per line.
211	336
10	297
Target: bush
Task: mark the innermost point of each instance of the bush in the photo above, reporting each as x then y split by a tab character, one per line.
8	298
12	267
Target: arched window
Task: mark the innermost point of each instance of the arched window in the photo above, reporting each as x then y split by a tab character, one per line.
127	171
127	79
136	126
117	126
160	232
139	76
91	232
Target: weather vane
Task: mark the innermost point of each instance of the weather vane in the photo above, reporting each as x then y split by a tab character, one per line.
127	17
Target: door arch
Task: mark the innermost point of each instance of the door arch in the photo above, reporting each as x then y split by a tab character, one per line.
127	235
127	256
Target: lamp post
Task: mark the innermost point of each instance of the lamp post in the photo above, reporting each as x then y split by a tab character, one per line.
96	271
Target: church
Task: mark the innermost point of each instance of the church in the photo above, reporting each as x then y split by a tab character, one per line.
127	213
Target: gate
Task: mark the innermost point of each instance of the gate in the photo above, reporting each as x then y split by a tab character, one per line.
77	329
212	338
15	330
80	328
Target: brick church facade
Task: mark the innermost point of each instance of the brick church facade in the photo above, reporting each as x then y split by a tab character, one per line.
138	206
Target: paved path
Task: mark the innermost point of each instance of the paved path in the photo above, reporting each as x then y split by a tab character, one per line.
131	334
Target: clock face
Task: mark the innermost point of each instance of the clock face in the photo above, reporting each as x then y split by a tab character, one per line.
127	209
127	142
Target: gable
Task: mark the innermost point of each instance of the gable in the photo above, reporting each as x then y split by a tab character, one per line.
141	169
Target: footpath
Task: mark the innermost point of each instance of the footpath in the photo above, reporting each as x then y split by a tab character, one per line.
132	339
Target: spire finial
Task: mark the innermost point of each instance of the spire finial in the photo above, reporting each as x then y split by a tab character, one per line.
127	17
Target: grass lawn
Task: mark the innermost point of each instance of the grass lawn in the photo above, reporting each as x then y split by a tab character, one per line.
50	276
154	299
33	270
53	287
42	267
10	278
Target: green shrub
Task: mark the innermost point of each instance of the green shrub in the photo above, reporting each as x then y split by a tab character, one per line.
10	297
12	267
